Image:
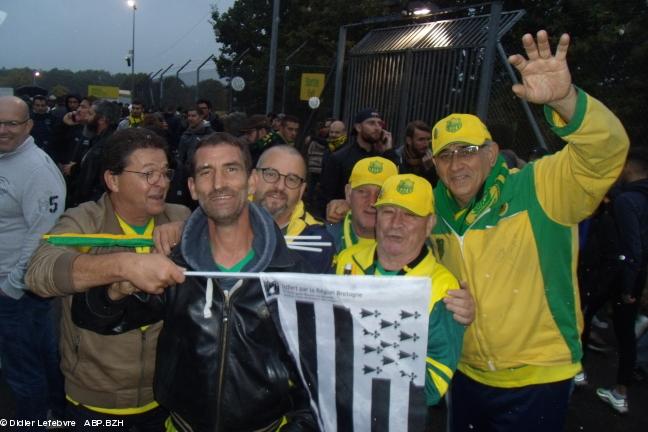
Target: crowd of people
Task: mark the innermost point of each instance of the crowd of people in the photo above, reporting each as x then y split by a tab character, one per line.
106	210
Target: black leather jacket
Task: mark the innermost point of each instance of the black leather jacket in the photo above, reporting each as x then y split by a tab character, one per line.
229	372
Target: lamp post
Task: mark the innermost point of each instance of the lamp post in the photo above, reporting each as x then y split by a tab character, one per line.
133	5
36	75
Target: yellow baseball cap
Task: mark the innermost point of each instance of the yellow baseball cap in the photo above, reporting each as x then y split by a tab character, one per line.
459	128
408	191
372	171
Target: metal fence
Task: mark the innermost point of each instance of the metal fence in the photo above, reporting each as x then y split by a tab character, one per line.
427	71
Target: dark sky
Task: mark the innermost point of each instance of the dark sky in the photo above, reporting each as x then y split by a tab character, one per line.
97	34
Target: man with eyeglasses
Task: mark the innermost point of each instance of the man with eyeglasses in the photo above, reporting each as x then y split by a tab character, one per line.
513	237
280	189
32	197
111	378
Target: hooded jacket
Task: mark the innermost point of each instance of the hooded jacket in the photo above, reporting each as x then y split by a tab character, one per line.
221	365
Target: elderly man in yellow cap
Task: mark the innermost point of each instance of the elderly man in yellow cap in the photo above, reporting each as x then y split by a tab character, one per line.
359	225
405	217
513	237
367	177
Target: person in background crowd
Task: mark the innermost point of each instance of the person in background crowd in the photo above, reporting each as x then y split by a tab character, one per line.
370	139
44	125
196	131
253	131
337	135
135	117
205	108
32	197
416	155
630	214
317	148
88	186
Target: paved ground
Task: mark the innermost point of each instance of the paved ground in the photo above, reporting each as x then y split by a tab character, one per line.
586	413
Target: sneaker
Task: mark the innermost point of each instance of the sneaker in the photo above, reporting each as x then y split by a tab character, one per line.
615	400
580	380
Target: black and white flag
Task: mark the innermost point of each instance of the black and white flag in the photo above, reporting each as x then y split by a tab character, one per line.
360	344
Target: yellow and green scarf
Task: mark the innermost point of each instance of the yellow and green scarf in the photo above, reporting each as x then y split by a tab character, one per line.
336	143
142	243
460	219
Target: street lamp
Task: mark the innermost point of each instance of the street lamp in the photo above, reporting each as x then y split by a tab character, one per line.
36	75
133	5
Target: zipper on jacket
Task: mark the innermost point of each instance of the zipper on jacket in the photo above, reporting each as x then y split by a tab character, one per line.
460	239
227	296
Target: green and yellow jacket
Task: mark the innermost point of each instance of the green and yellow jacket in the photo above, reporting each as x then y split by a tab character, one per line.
445	335
517	247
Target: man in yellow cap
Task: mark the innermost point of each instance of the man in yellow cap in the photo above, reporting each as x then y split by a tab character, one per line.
512	236
405	217
358	226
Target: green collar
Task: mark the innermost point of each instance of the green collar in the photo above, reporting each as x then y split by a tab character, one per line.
239	265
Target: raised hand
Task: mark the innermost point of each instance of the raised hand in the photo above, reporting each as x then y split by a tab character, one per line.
545	77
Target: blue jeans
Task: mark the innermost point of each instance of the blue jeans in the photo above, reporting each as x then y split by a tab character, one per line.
30	360
475	407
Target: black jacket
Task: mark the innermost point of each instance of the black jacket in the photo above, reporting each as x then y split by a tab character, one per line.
630	212
43	132
88	185
189	141
227	372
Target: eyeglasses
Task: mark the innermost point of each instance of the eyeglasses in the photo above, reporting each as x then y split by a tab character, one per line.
152	177
463	153
12	124
271	175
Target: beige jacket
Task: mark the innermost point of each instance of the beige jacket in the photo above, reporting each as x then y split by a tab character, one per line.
100	371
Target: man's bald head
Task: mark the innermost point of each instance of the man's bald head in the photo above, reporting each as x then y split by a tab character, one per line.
287	150
15	124
337	129
16	103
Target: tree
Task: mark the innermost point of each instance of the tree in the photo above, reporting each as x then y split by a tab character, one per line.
215	91
247	25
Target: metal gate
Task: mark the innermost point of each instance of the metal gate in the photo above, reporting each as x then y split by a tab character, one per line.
427	71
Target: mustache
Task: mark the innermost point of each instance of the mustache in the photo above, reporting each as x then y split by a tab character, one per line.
215	194
282	194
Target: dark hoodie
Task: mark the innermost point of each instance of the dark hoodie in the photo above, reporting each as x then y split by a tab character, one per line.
221	367
630	212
